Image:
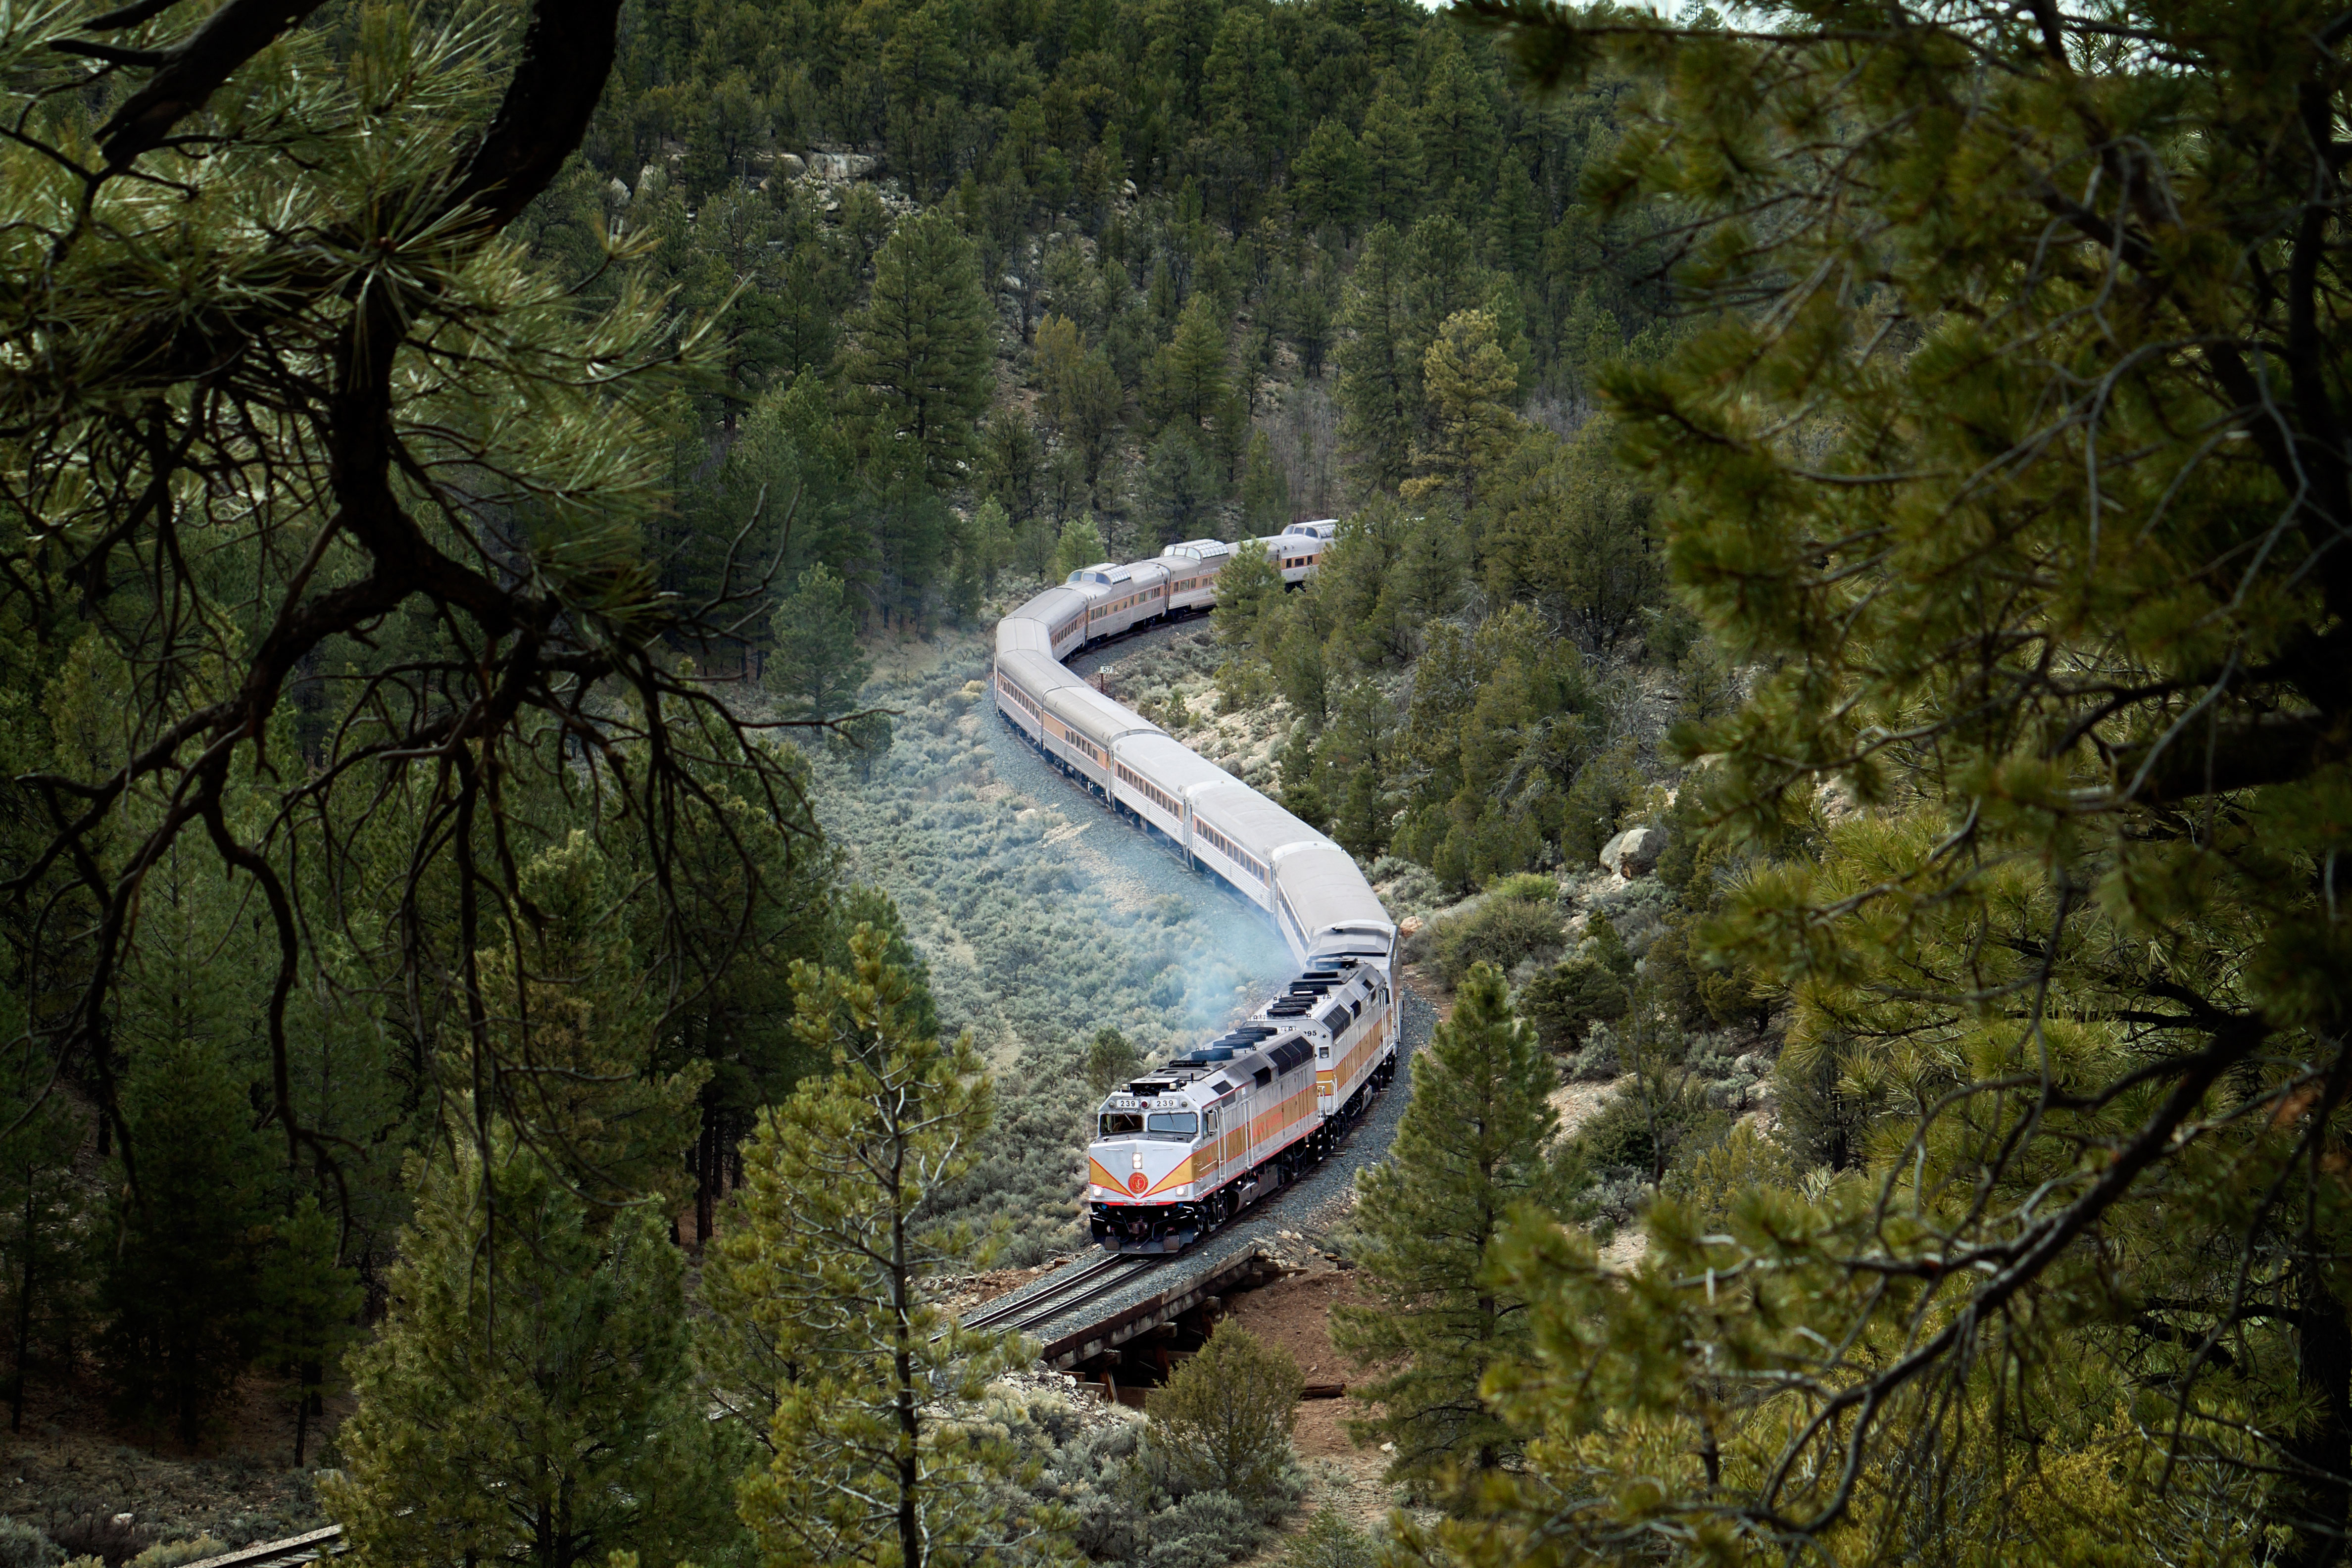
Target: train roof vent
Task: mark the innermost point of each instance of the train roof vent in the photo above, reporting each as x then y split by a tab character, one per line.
1148	1086
1290	1053
1222	1086
1264	1076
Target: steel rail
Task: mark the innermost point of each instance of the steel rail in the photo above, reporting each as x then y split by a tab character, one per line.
1090	1283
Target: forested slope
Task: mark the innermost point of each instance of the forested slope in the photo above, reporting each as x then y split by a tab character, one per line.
844	320
461	469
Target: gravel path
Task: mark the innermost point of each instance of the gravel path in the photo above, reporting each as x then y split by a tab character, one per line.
1286	1226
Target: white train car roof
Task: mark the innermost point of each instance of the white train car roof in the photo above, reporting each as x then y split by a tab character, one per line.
1018	633
1325	906
1094	716
1317	528
1328	894
1036	673
1252	821
1055	606
1171	764
1111	574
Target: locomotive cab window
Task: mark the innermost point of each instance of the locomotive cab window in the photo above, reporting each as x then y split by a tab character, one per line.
1122	1124
1180	1124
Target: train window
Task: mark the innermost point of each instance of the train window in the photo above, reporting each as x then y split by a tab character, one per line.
1122	1124
1180	1124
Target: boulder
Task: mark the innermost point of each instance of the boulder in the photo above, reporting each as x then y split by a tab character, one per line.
616	192
837	166
789	166
1634	852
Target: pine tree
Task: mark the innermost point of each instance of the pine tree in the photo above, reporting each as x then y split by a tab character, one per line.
1458	133
1468	384
1081	545
1441	277
1513	223
573	1011
309	1310
1079	393
921	345
1327	179
181	1292
529	1395
990	541
1265	490
1470	1150
1223	1420
1391	142
1056	357
2010	487
1110	1060
1249	586
1011	463
1380	367
1249	91
44	1245
1194	378
1180	483
815	667
1566	528
822	1282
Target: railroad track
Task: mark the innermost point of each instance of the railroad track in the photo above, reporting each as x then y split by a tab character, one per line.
1090	1283
294	1549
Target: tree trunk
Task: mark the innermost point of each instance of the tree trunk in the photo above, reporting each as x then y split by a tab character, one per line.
308	1375
2319	1484
705	1177
24	1319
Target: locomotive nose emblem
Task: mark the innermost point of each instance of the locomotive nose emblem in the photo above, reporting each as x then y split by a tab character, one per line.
1138	1182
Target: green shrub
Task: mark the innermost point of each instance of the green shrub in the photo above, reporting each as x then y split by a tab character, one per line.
1532	886
1207	1530
1330	1541
1497	931
172	1553
1224	1421
97	1535
1565	1001
1645	1126
22	1546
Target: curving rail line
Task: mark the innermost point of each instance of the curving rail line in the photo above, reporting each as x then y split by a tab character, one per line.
1312	888
1090	1283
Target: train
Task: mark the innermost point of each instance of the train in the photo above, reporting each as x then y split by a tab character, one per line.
1183	1148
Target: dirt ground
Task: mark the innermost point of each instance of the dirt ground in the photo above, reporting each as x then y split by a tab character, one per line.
1295	1313
962	1295
74	1459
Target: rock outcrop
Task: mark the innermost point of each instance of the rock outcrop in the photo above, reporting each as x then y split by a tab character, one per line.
1634	852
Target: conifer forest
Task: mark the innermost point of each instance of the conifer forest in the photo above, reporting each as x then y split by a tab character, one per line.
540	997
